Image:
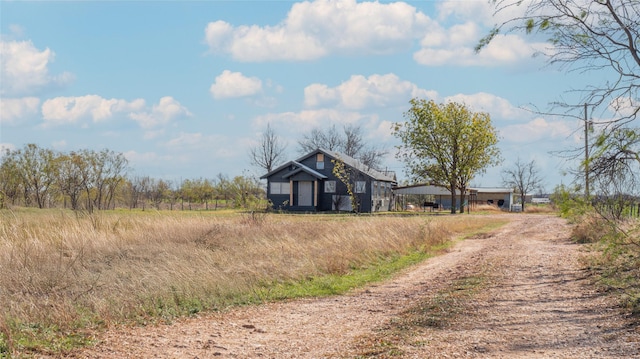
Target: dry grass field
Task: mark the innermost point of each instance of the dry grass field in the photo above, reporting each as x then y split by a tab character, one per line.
67	274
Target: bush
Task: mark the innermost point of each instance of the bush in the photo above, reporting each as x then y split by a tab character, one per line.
589	228
570	202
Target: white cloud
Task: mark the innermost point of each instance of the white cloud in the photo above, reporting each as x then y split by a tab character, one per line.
235	84
494	105
186	140
304	121
215	146
59	145
15	109
137	157
624	106
4	147
74	110
362	92
483	12
457	49
313	29
536	130
165	111
472	20
71	110
24	69
382	132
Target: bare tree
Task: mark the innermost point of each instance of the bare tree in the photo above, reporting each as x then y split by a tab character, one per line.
329	139
588	37
350	142
269	152
353	141
523	177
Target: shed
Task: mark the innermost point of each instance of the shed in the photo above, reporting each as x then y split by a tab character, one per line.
436	196
497	196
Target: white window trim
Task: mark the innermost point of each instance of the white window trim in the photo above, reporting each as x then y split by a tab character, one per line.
280	188
330	187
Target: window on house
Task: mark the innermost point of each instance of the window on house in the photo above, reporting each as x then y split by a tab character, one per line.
320	161
361	186
330	187
279	187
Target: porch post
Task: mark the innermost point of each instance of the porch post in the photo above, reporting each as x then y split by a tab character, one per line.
315	193
290	192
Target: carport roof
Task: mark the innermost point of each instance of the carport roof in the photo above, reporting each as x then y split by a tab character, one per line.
423	189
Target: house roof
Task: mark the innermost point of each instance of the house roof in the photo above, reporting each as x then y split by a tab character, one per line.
354	163
423	189
349	161
492	189
299	167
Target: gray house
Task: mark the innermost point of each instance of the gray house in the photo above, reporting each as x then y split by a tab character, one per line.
308	184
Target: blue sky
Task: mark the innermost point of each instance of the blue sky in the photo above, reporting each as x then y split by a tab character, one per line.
184	89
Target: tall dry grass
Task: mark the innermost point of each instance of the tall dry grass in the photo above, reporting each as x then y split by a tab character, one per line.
69	272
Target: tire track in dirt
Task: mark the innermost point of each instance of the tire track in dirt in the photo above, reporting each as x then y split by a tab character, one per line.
537	305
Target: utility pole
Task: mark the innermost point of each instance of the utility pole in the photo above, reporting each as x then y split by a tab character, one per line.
586	154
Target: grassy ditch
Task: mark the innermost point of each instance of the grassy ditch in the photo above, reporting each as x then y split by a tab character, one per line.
613	258
67	275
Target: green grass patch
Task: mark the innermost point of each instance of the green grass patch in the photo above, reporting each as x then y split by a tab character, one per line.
335	284
37	339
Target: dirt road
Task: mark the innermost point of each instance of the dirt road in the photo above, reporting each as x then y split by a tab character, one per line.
535	302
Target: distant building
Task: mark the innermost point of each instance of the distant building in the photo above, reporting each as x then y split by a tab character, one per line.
497	196
440	197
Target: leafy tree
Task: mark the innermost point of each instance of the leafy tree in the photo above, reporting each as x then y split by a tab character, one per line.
523	177
159	191
269	153
72	177
10	181
348	176
246	191
188	192
106	170
447	144
38	172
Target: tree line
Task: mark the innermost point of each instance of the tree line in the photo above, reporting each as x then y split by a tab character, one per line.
97	180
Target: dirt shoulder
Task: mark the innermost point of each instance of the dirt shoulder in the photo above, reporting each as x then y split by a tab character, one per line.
535	302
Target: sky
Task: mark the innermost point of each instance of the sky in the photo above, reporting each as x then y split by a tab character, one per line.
184	89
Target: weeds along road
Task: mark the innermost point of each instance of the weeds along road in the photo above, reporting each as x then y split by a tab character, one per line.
517	292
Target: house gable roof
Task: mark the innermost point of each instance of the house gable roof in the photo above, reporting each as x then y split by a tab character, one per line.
302	168
297	168
349	161
354	163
